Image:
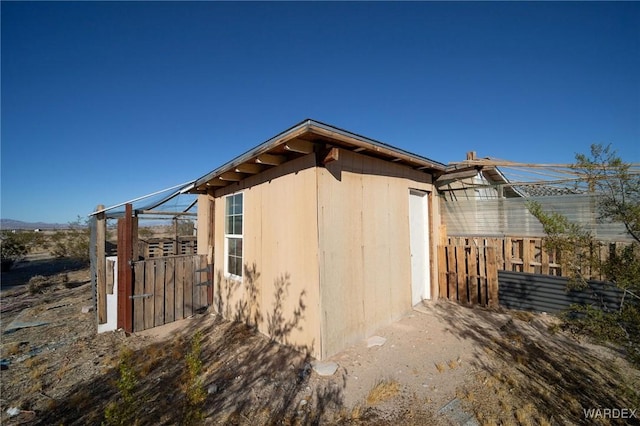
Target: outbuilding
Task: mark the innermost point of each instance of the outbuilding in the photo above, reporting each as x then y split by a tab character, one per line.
319	236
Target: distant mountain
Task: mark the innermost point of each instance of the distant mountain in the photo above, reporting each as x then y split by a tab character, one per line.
8	224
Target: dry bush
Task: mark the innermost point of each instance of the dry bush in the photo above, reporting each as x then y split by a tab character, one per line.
383	390
38	283
12	348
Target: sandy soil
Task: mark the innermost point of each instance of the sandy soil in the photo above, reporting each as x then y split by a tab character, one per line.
440	364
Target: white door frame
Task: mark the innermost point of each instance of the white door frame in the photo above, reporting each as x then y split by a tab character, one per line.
419	245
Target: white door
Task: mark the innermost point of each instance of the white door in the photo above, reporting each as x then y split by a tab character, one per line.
419	242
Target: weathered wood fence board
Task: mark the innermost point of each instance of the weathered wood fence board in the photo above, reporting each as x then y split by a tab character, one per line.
468	274
168	288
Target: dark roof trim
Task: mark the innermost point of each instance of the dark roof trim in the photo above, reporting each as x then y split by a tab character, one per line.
321	129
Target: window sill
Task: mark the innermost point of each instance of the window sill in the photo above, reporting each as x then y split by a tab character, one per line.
233	277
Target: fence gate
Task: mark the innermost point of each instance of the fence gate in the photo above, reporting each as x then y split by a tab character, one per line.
468	274
167	289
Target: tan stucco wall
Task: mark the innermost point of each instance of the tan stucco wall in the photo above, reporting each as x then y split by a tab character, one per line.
341	236
281	241
364	250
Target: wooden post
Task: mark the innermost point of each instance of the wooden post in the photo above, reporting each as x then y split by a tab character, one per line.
125	275
101	259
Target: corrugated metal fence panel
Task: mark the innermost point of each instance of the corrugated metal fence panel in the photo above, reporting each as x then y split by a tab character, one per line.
544	293
510	216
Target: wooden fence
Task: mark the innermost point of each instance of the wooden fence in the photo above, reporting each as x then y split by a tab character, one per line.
166	289
469	265
468	274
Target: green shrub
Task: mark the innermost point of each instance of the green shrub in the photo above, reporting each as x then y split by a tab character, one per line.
621	327
123	412
192	387
14	246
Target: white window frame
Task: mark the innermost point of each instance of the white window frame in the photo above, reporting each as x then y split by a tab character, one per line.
227	237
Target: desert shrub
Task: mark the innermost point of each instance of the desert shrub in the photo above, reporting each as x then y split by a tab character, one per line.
12	250
184	227
38	283
72	243
145	233
14	246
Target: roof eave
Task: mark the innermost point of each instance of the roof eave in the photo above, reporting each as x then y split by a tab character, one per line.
263	148
320	129
376	146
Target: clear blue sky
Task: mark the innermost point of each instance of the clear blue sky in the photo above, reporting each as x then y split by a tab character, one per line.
102	102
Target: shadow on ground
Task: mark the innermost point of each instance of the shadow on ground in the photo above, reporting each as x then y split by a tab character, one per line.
249	378
556	377
25	270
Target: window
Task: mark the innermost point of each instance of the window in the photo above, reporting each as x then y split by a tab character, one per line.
233	235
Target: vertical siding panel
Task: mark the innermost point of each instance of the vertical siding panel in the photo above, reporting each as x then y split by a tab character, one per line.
461	270
472	263
169	291
149	288
138	302
452	275
179	288
492	276
187	289
159	292
482	272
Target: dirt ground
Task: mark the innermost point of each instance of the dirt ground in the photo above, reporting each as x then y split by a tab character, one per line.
440	364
